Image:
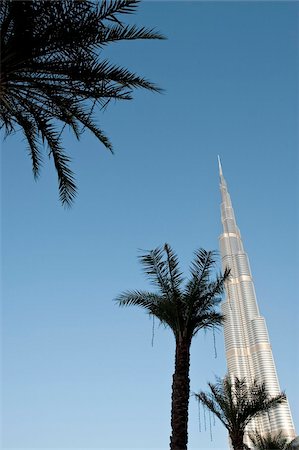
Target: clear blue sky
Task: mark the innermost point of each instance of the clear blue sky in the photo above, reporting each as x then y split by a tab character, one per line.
79	372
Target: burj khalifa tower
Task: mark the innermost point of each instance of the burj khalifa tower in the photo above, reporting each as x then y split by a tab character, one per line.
247	344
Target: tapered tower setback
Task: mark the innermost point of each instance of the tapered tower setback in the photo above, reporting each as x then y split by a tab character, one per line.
247	345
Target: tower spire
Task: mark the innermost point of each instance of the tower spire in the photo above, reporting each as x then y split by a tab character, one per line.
219	166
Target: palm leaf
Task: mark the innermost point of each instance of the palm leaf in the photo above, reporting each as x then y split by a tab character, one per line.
236	403
146	300
200	270
129	32
52	67
155	267
175	275
184	314
272	442
31	133
109	9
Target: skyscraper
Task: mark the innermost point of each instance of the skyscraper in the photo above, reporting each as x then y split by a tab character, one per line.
247	345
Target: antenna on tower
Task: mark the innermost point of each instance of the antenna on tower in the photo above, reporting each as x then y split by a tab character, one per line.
219	165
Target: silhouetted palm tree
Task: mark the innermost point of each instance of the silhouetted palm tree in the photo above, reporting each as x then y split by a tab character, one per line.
273	442
52	74
185	310
236	403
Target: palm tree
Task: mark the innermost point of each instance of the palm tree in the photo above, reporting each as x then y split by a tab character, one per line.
236	403
273	442
185	310
53	75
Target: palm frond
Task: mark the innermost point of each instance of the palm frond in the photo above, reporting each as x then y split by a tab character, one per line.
216	287
212	405
175	275
271	442
154	304
66	184
184	314
208	320
128	33
109	9
104	71
51	65
146	300
259	402
203	262
202	294
31	133
200	269
236	403
155	267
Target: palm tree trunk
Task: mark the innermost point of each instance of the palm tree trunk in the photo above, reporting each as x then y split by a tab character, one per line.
180	396
237	441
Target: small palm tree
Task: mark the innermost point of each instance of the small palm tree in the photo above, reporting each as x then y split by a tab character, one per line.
273	442
185	310
53	73
236	403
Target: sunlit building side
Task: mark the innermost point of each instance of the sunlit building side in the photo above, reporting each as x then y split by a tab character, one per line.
247	344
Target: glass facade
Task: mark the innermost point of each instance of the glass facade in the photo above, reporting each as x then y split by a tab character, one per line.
247	345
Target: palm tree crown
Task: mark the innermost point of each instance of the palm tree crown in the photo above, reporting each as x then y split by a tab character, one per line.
185	310
236	403
273	442
52	74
